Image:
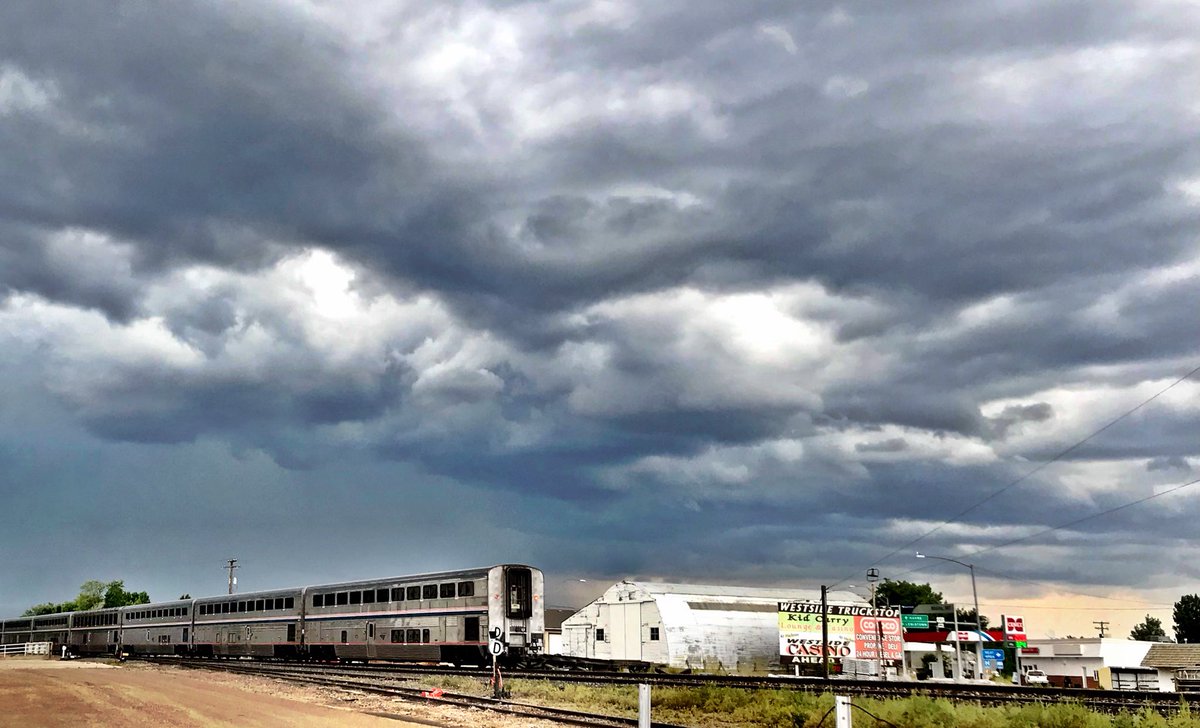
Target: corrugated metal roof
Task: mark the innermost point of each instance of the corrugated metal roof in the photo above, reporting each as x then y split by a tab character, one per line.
726	591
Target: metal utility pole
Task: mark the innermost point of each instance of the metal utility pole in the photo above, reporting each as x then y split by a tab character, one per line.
872	577
825	630
232	580
1102	627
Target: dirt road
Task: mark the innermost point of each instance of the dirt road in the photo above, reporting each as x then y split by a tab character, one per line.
45	693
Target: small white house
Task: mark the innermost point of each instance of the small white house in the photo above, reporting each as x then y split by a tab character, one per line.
685	625
1098	661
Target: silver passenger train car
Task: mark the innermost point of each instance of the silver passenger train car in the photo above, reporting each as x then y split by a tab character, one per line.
443	616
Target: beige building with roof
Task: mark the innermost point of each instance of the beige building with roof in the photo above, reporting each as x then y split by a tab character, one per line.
1167	660
728	628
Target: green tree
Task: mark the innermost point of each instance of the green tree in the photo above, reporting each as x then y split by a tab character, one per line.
116	596
49	608
1187	618
1151	629
91	595
897	593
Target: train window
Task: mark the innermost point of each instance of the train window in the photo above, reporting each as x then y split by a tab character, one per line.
225	607
370	630
318	600
397	636
397	594
344	637
412	636
260	605
343	598
289	603
600	634
429	591
241	606
425	635
356	597
654	634
446	591
368	596
466	588
414	593
381	595
185	611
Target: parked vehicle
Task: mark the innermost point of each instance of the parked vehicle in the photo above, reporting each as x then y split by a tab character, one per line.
1036	677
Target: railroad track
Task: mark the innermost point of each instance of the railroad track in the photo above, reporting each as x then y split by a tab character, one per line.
1111	701
364	681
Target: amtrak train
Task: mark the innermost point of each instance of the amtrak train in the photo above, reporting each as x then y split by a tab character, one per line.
437	617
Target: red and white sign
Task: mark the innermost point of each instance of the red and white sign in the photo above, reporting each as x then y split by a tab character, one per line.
1014	628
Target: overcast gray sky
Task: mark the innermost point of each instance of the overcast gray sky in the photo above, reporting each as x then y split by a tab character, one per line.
707	291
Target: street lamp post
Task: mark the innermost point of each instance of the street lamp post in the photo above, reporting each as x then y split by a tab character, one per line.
975	597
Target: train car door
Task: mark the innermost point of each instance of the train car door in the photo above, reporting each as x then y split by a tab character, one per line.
370	640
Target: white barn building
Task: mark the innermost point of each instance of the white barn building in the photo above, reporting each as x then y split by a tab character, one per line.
686	625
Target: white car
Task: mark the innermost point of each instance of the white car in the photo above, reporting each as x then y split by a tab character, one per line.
1036	677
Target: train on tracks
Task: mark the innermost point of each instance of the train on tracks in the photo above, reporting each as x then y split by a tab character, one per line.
436	617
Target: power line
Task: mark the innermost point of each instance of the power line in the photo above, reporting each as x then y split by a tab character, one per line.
1036	607
1077	521
1059	527
1059	588
1013	483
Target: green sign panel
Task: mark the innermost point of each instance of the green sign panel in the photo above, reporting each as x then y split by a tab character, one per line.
914	621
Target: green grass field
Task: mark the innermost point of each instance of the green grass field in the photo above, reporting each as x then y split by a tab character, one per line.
713	707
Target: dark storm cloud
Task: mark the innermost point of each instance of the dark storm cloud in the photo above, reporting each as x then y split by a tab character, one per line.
610	209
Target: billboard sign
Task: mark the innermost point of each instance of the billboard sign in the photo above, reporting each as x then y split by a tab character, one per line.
1014	628
855	632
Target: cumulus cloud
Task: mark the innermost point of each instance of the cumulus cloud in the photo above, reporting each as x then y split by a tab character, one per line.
800	276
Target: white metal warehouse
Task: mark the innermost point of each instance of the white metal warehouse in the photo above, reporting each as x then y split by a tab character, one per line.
685	625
